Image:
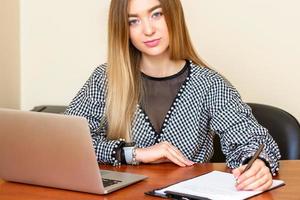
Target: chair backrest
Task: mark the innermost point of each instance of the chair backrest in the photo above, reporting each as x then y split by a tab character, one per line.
50	109
282	126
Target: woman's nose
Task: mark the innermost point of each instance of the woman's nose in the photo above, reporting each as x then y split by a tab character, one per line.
149	29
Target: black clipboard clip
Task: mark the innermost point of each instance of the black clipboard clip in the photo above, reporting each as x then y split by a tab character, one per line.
155	194
175	195
180	196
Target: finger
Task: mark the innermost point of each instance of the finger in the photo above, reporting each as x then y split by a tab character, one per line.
263	182
175	157
256	180
237	171
255	168
161	160
250	183
181	156
266	186
249	180
176	154
165	152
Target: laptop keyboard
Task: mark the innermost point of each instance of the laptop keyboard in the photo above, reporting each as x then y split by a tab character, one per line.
109	182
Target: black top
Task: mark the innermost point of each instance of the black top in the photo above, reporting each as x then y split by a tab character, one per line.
159	94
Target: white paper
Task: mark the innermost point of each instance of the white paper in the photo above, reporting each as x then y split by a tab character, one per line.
214	185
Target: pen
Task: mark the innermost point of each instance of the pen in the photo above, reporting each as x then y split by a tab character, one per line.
259	150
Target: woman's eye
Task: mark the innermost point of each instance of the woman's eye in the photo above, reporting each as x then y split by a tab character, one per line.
133	22
157	14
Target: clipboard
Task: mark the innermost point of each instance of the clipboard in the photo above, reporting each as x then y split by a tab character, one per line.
175	195
219	185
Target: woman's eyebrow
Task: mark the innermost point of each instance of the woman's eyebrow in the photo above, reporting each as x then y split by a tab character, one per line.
150	10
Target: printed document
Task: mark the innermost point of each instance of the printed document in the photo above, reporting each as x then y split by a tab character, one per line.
214	185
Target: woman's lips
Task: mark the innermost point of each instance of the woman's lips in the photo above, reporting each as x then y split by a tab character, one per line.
152	43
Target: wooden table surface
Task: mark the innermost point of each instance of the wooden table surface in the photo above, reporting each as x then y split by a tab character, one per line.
159	175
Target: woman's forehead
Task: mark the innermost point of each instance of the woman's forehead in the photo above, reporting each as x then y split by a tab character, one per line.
142	6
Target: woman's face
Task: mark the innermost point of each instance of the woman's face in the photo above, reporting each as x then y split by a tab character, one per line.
147	27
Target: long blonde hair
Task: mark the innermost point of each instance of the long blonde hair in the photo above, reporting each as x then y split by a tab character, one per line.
123	73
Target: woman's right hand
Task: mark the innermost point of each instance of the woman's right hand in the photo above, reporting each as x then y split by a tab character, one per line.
163	151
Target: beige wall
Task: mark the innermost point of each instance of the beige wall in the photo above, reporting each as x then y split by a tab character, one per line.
61	43
255	44
9	54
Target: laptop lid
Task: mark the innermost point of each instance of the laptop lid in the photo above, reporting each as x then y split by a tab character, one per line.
49	150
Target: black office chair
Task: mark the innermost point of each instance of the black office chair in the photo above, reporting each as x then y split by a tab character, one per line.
50	109
282	126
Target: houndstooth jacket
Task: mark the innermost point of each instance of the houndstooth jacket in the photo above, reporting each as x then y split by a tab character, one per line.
206	104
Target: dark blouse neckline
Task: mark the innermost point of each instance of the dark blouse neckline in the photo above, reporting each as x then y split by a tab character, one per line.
167	77
160	97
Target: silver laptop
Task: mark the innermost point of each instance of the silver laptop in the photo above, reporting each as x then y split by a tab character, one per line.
55	151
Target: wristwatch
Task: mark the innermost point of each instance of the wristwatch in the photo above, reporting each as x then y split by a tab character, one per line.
130	154
134	161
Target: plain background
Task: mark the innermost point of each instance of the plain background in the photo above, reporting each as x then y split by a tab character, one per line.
49	48
9	54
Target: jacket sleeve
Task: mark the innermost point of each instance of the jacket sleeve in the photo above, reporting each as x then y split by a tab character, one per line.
90	103
239	131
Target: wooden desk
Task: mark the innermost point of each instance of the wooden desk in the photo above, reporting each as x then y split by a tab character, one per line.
159	176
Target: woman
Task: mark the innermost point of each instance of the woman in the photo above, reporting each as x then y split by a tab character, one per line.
156	101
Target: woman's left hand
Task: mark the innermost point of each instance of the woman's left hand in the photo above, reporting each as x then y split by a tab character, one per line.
258	177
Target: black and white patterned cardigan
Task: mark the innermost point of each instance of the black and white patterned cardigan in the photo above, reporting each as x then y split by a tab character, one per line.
206	104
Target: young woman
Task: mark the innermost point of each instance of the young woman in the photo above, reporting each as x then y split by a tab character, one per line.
157	101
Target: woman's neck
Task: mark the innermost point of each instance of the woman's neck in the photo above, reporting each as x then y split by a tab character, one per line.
160	66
